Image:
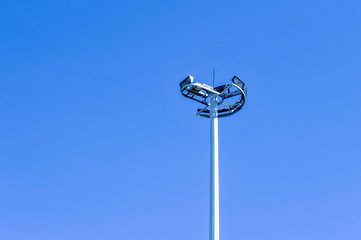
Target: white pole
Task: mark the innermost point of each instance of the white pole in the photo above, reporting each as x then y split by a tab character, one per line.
214	189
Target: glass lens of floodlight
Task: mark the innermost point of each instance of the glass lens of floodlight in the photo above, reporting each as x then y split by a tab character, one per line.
238	81
186	81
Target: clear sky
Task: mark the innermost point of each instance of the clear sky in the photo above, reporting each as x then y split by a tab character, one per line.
96	141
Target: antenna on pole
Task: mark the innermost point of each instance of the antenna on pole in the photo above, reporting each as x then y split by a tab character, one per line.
214	75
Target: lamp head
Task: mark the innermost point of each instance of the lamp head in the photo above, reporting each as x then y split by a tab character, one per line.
186	81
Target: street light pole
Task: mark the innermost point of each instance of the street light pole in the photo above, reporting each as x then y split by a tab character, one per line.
214	107
214	183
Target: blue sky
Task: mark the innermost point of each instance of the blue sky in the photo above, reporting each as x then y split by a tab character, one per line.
97	142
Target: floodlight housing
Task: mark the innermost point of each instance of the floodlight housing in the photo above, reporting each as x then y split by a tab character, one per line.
188	80
201	93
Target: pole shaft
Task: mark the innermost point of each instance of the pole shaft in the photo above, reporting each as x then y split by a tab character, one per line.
214	185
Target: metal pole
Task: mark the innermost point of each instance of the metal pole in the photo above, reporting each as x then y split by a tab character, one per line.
214	185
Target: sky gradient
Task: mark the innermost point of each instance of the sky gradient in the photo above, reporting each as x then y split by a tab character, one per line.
96	141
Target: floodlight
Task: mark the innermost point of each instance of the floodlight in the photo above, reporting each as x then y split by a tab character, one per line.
239	83
214	107
221	88
186	81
